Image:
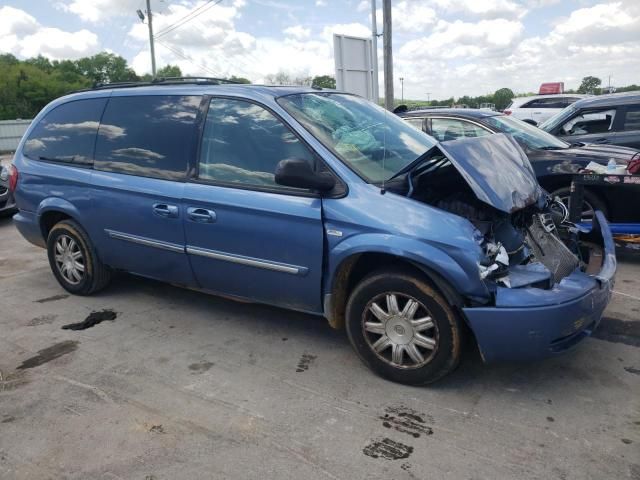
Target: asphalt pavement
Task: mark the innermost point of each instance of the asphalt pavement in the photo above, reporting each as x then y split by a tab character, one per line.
151	381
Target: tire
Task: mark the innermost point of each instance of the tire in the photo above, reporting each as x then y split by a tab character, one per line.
365	328
69	249
591	201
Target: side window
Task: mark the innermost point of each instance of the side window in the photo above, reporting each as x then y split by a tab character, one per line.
67	133
445	129
590	122
553	102
415	122
632	119
243	143
149	136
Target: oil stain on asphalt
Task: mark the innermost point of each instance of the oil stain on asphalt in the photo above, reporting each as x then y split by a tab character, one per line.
305	361
387	449
94	318
50	353
200	367
618	331
52	299
41	320
407	420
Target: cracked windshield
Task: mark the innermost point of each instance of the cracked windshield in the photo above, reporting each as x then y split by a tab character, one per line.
373	143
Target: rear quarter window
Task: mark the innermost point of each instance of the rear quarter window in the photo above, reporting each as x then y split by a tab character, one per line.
67	133
148	136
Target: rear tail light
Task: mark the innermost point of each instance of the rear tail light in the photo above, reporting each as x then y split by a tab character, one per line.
507	112
13	177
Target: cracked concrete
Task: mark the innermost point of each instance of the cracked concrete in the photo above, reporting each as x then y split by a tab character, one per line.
185	385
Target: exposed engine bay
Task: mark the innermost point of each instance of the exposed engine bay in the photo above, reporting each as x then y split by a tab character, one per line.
533	246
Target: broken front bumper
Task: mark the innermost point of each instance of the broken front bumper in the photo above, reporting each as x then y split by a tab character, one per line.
530	323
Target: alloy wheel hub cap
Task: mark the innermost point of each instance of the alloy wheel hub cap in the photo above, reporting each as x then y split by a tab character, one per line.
400	330
69	259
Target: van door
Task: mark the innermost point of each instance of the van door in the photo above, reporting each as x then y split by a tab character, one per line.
142	152
247	236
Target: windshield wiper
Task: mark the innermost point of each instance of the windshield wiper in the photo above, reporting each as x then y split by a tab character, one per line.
551	147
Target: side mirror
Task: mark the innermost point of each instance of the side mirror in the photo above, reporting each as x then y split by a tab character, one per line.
297	173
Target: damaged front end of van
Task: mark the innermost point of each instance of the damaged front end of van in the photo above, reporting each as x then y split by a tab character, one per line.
548	280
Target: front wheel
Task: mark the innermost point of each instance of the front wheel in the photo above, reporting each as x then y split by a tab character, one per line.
402	328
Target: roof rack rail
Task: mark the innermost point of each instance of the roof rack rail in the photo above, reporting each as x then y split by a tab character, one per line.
164	81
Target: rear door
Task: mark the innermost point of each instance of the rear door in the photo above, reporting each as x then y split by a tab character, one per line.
628	128
247	236
143	148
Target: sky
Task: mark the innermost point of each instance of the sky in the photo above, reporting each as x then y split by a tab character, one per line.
441	48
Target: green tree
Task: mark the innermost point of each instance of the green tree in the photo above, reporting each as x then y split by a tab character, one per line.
233	78
169	71
106	68
502	97
323	81
589	84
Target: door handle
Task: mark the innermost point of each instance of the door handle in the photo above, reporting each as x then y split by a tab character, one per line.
601	140
166	211
201	215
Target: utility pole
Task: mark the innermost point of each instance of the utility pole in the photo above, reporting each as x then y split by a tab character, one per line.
374	53
402	88
153	50
428	97
388	55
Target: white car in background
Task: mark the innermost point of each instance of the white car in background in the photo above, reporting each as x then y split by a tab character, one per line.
539	108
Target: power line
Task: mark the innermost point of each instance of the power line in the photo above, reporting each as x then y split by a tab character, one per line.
190	16
189	59
246	59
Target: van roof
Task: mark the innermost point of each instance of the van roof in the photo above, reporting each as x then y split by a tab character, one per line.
192	88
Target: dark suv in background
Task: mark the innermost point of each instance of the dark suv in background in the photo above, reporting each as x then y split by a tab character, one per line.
605	119
554	160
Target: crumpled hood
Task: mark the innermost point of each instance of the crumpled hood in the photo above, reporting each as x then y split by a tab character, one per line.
496	169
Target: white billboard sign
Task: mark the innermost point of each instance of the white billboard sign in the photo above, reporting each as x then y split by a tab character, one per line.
354	66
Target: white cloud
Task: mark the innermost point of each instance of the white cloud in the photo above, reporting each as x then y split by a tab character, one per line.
21	34
321	3
352	29
408	16
16	22
298	32
450	40
97	10
461	58
484	8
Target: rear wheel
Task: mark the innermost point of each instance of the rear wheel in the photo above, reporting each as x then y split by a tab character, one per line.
402	328
73	260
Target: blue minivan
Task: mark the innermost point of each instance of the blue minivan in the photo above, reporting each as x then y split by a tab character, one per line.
316	201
